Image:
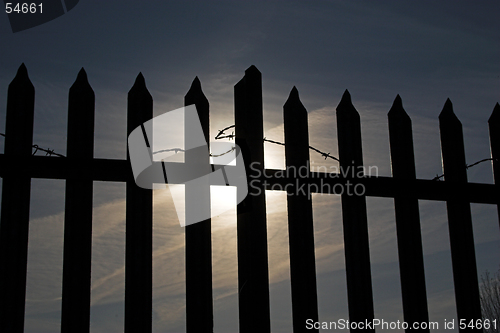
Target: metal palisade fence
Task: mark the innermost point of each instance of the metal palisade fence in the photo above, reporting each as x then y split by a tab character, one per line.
18	165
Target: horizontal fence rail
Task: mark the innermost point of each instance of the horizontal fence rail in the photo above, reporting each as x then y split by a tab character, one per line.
115	170
18	165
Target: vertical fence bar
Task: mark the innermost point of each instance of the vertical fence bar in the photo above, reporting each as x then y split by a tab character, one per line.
459	218
253	272
139	226
300	217
16	189
354	217
199	301
494	127
411	258
75	314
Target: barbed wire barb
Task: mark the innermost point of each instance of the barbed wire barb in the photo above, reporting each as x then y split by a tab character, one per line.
230	136
326	155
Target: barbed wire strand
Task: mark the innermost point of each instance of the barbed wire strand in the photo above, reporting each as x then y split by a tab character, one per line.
438	177
231	136
48	151
327	155
167	150
183	151
227	152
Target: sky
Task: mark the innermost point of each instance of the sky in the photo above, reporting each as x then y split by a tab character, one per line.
425	51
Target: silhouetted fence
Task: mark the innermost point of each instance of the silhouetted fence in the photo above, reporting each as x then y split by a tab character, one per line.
79	168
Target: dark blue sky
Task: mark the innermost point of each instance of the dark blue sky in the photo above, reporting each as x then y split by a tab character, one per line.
426	51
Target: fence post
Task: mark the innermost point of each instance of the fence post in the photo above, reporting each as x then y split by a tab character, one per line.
253	273
459	218
16	189
494	127
75	315
411	259
354	217
139	226
300	217
199	301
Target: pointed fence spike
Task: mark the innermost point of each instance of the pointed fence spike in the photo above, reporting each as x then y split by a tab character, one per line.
196	96
195	91
346	108
447	114
345	105
140	77
82	82
252	70
495	115
140	104
401	141
20	114
139	87
398	102
348	116
346	97
22	74
140	81
293	104
82	73
81	118
22	78
22	69
397	112
295	123
448	108
452	145
196	83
